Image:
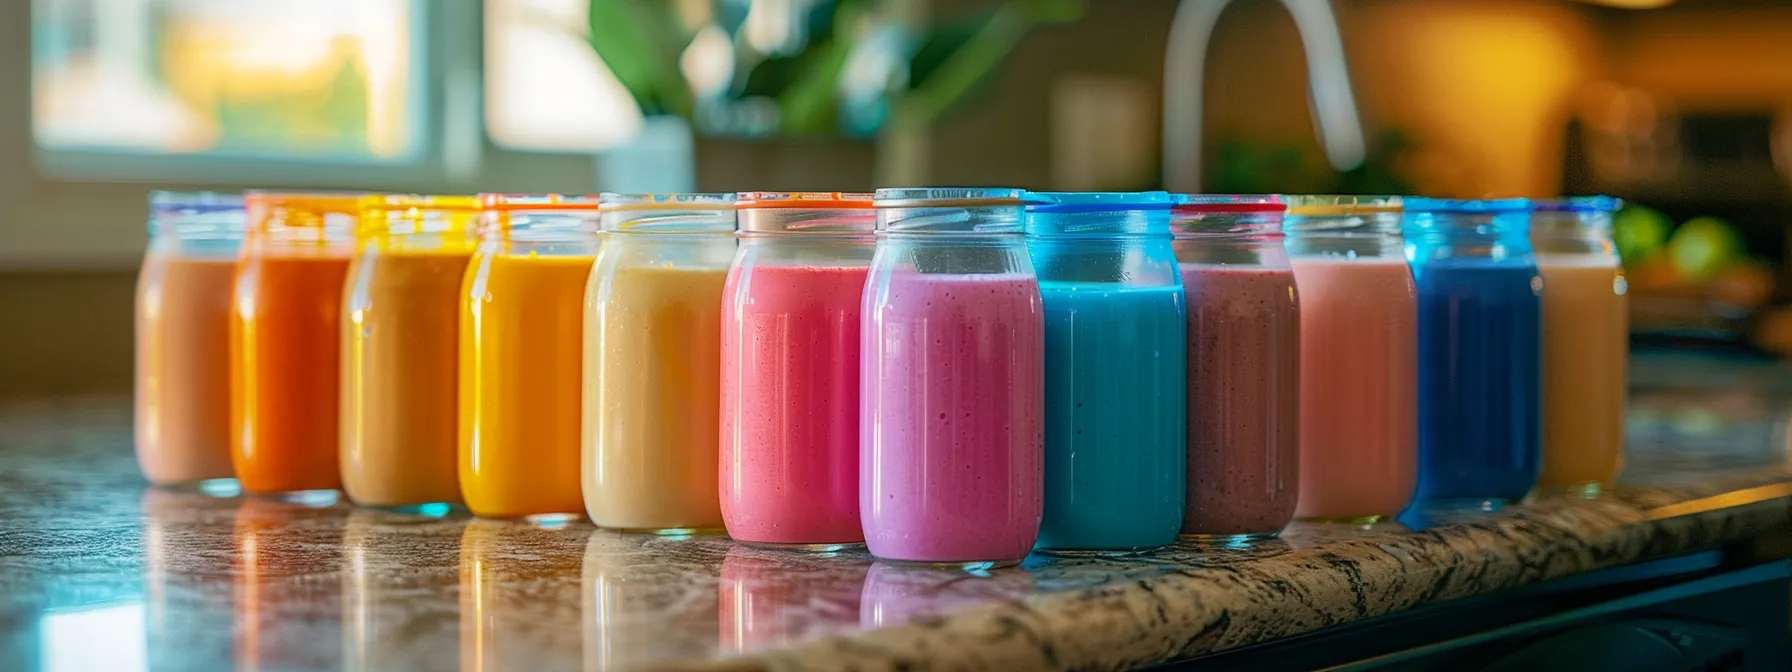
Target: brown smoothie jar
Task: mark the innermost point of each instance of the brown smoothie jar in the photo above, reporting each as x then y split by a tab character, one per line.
182	413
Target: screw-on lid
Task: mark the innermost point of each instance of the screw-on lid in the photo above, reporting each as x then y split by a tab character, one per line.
668	213
830	212
949	210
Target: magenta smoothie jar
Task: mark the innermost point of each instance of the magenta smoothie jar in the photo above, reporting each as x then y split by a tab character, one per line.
952	389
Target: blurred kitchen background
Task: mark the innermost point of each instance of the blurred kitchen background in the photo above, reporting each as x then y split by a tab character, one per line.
1683	108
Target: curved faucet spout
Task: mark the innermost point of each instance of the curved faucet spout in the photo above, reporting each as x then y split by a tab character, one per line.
1328	80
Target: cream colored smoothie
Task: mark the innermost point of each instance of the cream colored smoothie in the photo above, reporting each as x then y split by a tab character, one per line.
658	381
652	383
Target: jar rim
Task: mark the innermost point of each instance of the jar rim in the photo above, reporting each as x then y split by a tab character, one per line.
1341	205
404	214
1583	204
498	214
948	197
679	213
162	202
504	202
1468	206
617	202
1228	204
1071	202
804	200
330	211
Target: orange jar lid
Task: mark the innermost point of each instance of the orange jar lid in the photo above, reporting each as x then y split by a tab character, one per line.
300	208
413	221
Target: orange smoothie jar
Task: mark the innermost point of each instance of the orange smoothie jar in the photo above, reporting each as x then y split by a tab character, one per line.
284	340
400	351
1586	344
521	329
183	339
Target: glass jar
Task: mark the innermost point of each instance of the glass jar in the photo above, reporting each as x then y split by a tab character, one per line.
183	339
401	324
1114	345
1479	349
521	329
286	339
1586	343
1243	474
653	357
1358	357
790	369
952	383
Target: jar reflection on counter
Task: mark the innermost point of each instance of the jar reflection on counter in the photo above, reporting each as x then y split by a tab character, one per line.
401	321
952	388
521	328
1358	357
790	370
287	581
637	609
189	552
1114	370
389	562
652	363
1244	321
183	316
286	338
1586	344
1480	359
518	610
767	600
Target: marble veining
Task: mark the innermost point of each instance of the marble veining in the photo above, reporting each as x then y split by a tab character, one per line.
188	581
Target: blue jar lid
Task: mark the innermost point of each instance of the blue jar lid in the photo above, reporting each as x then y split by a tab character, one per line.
1467	206
1097	201
1587	204
1098	213
193	202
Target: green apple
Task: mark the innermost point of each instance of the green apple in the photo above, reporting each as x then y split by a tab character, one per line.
1703	247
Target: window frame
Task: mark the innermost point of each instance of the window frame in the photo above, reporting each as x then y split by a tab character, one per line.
447	147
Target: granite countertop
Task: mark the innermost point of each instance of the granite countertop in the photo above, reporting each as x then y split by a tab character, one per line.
97	572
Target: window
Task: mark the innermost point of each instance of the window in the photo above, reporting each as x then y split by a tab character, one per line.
314	81
545	87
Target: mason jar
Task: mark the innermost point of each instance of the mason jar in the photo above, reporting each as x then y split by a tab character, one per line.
790	369
1243	474
183	339
285	342
1114	372
1358	357
1586	343
653	356
521	330
400	351
952	383
1480	341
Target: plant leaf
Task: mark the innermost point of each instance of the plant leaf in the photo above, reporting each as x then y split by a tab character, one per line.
964	67
640	41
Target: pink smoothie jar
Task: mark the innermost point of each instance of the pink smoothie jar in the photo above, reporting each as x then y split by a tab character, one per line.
790	370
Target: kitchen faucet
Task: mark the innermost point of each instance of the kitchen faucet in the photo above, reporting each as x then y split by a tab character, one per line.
1340	129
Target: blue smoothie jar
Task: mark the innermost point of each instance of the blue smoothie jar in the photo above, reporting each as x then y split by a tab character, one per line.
1480	345
1114	371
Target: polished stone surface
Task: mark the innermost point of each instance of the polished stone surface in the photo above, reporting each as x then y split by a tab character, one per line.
96	572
